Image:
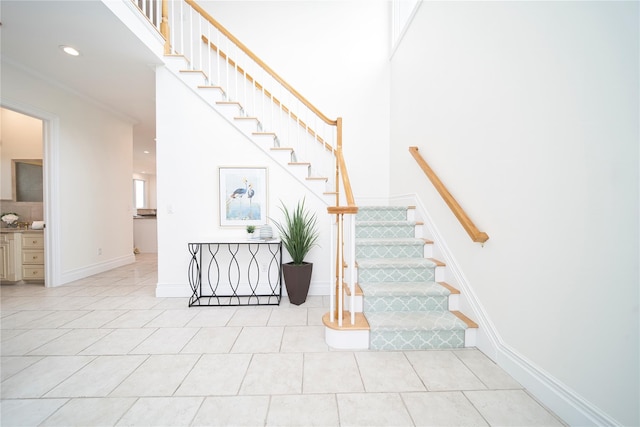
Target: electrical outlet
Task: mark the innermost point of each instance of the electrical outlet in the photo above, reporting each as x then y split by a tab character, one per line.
99	251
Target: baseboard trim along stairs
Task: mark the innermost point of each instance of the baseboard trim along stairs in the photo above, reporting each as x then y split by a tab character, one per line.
401	300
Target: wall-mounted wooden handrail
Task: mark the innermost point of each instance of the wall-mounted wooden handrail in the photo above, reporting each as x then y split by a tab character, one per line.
259	61
475	234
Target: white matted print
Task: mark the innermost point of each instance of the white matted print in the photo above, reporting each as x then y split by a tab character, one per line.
243	196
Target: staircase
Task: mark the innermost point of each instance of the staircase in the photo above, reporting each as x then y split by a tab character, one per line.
402	300
289	156
401	293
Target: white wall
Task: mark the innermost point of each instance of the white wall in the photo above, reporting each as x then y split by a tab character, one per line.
336	55
193	141
21	139
93	157
528	111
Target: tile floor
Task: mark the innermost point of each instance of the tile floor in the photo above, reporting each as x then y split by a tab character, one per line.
105	351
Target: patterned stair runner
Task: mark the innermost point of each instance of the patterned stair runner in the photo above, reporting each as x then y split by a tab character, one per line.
406	309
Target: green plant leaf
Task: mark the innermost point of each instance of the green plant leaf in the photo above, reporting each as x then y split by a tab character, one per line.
298	232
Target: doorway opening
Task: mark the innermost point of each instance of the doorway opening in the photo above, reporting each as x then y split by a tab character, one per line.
22	196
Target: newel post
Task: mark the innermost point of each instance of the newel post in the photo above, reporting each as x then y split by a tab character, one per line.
164	27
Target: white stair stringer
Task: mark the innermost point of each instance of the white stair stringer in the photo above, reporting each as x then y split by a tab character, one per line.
250	127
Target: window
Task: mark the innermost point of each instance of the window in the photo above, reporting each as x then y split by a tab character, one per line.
139	194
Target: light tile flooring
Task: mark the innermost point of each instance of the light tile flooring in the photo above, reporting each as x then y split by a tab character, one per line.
105	351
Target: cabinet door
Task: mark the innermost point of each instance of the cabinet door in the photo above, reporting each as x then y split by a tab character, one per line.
4	255
10	257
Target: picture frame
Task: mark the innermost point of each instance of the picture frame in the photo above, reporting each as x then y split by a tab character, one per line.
243	196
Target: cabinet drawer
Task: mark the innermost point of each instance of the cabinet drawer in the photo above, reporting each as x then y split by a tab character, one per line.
33	273
33	257
32	241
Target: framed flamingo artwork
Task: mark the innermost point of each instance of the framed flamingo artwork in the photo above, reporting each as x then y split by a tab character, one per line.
243	196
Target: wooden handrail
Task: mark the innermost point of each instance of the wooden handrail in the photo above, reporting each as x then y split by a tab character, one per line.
348	192
341	165
261	63
475	234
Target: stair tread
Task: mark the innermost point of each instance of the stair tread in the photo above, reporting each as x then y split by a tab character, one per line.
396	263
384	223
396	289
383	208
414	321
404	241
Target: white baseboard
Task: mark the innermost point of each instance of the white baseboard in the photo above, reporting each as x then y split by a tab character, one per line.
81	273
182	290
562	400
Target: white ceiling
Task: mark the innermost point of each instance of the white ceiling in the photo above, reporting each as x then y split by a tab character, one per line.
114	69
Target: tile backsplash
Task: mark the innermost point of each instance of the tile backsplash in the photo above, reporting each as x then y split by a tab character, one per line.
27	211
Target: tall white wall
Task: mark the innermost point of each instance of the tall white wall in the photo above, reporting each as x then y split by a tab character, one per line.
528	111
94	192
336	55
193	142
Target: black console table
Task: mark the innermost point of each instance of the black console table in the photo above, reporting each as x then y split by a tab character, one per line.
235	272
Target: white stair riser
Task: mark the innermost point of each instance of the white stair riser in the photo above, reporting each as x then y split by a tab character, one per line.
229	111
316	185
282	156
266	141
176	63
454	302
193	78
470	337
300	171
211	94
247	126
357	300
428	251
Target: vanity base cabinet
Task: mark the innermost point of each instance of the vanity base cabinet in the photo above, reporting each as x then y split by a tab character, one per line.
10	257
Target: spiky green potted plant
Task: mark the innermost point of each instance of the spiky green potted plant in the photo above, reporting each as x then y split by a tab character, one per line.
299	233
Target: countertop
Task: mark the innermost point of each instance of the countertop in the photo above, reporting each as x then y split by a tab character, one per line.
19	230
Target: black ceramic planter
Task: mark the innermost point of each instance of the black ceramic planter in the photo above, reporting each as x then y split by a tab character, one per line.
297	278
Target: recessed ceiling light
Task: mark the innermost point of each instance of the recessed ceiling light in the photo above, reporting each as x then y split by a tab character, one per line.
146	152
69	50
